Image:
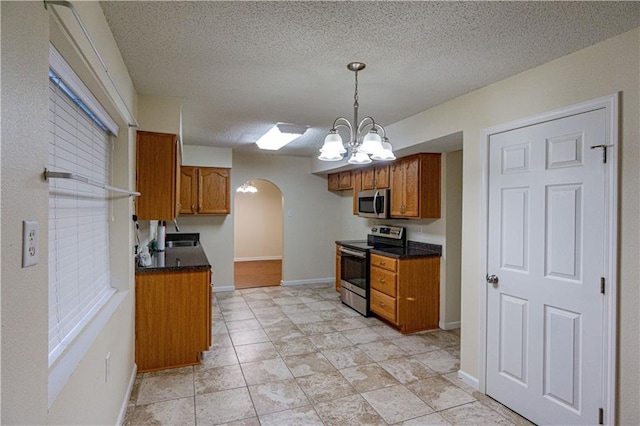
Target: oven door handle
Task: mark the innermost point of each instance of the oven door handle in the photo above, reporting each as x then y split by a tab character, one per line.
360	254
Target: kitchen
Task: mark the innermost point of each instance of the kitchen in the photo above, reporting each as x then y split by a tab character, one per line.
556	79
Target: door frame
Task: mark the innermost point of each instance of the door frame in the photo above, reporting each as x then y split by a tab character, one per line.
610	307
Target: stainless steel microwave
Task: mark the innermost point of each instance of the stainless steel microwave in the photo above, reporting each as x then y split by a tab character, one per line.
374	203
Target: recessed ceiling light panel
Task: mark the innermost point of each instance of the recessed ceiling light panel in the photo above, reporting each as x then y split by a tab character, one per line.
280	135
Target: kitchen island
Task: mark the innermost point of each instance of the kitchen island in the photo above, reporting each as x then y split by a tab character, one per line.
173	309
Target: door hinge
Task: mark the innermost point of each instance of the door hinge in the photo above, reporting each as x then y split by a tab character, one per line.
601	416
604	151
602	285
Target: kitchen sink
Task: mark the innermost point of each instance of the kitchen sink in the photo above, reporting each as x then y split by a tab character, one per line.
181	243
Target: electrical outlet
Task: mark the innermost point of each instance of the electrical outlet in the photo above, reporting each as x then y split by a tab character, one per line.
29	243
107	367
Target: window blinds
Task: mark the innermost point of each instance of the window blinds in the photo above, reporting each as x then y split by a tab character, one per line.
79	279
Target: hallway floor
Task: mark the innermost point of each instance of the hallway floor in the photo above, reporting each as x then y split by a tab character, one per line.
297	356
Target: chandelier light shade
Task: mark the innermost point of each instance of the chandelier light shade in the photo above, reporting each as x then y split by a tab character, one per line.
365	141
247	187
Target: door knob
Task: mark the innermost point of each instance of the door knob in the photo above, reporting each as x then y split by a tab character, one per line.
492	279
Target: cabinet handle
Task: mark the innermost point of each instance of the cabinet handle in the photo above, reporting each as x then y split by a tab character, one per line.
381	304
199	208
383	263
381	280
193	208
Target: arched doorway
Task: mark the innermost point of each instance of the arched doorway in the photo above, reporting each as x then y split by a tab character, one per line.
258	234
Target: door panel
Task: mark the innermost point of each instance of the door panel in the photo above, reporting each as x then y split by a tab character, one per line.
546	245
562	357
513	338
515	229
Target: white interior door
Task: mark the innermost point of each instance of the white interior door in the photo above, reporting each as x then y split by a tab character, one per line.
546	246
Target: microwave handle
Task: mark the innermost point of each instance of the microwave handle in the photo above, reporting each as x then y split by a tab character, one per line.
375	204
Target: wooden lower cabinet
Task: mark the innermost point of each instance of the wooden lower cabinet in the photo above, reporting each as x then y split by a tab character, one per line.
406	292
173	318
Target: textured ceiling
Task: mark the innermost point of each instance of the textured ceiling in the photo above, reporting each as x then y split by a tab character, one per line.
240	67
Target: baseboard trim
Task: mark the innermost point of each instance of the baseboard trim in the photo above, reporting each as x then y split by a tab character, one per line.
256	259
308	282
223	289
127	396
468	379
449	325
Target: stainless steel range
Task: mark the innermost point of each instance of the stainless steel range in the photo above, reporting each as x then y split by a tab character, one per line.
355	264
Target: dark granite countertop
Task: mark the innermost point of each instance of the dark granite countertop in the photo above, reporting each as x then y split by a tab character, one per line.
177	259
414	249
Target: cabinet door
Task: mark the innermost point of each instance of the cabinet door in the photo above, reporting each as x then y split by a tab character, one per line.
397	189
411	169
171	319
382	177
188	190
213	191
333	181
345	180
157	176
368	178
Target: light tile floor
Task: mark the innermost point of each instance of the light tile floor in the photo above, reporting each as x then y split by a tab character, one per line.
297	356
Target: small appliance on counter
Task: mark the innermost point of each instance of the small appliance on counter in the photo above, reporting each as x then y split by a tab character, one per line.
162	229
355	264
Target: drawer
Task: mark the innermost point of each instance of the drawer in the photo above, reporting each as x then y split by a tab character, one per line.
383	305
383	281
384	262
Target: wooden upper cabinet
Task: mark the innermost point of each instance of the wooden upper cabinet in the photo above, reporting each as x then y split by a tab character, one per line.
188	189
214	191
415	186
205	190
368	178
157	176
333	181
375	177
339	181
345	180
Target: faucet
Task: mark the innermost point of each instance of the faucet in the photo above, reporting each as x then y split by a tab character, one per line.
175	223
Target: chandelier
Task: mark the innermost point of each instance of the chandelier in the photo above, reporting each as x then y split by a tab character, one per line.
364	147
247	187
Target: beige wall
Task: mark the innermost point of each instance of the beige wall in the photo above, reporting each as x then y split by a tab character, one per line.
159	114
85	398
258	222
605	68
206	156
452	200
